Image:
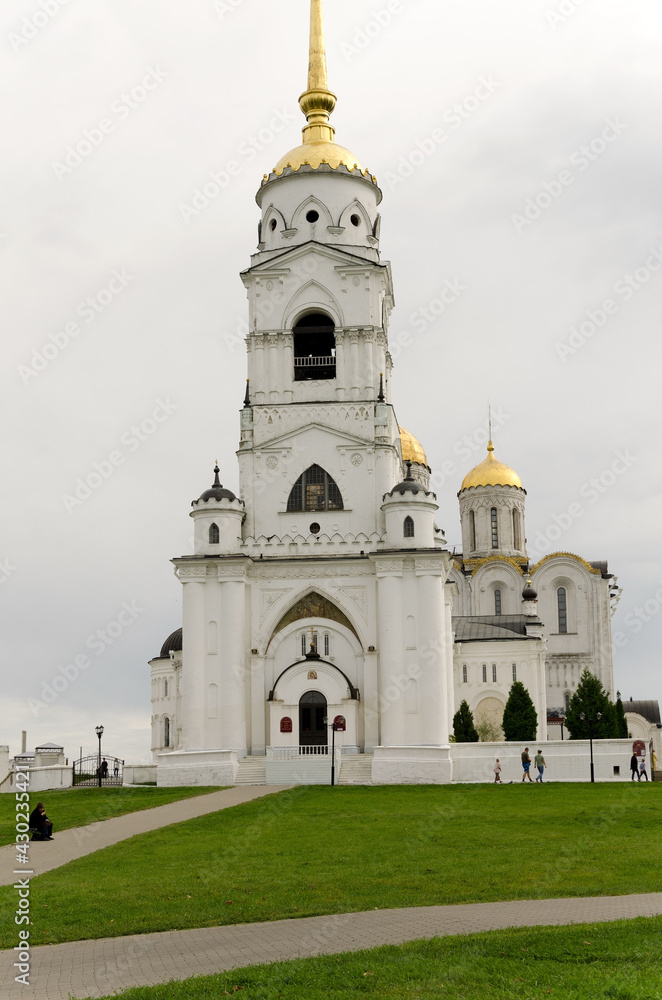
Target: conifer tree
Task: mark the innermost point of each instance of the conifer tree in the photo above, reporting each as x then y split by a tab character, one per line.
463	725
591	700
520	719
621	721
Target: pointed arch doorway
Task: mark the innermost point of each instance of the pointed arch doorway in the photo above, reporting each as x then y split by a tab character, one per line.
312	713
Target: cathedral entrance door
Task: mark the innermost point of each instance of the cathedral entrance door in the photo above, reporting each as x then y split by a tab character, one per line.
312	712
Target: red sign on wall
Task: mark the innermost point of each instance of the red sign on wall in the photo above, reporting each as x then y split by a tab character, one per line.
339	723
286	725
639	748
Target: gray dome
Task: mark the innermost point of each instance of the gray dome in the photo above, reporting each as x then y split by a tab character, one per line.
216	492
172	644
409	485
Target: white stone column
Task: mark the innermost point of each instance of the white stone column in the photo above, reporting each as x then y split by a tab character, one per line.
193	655
233	659
391	653
288	367
370	702
354	363
274	374
369	377
341	365
258	703
259	386
432	682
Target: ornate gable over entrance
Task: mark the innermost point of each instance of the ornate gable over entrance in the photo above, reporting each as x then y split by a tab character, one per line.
315	606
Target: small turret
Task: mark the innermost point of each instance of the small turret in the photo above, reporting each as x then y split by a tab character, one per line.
218	515
409	510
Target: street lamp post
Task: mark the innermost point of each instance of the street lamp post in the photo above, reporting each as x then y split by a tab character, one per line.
590	721
332	726
99	732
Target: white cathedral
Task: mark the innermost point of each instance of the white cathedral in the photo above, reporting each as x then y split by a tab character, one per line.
321	605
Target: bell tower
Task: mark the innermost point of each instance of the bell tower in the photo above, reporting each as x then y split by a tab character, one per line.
318	363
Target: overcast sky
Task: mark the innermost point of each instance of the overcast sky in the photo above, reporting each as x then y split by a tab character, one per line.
518	147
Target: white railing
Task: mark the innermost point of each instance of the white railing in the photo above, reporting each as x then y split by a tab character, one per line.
312	362
289	753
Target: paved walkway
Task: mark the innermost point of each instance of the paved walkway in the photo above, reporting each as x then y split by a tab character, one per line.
72	844
99	968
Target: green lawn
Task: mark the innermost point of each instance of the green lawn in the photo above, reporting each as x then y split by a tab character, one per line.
617	961
321	850
69	807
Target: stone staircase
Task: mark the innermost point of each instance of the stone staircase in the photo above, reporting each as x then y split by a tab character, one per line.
252	771
356	769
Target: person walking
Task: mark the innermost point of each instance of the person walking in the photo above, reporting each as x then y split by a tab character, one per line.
634	766
540	764
642	769
526	764
497	771
116	768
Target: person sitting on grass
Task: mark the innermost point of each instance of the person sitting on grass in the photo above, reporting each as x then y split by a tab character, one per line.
40	823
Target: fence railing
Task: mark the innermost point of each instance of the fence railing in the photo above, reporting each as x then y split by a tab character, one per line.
288	753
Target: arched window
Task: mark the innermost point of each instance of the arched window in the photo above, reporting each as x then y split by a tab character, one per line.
409	527
327	644
314	348
517	538
567	697
484	673
214	535
472	531
165	688
494	675
562	602
315	490
464	674
514	671
497	602
495	528
166	732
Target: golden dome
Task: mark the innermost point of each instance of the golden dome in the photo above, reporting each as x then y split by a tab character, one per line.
412	449
316	153
491	472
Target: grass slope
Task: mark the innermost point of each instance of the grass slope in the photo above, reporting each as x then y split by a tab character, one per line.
71	807
321	850
617	961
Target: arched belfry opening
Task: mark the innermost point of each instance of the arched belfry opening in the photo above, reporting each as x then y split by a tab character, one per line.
314	348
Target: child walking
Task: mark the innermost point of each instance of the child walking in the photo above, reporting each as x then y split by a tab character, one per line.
497	771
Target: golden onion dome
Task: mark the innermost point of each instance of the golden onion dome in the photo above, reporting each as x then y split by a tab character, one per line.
317	104
314	154
412	449
491	472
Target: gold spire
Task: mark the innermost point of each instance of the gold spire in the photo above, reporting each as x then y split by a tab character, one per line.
317	102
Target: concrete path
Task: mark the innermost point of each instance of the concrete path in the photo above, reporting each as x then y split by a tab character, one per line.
99	968
72	844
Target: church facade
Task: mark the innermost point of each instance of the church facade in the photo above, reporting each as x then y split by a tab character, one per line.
321	604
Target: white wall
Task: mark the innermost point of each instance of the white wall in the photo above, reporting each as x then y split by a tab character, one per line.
567	760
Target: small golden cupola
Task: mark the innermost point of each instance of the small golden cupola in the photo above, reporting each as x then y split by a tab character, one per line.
492	509
491	472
